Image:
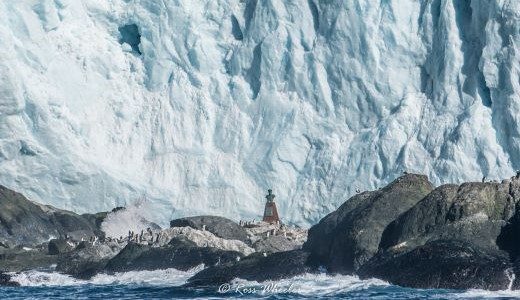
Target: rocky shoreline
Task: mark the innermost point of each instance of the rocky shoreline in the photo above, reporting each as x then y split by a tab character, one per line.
408	233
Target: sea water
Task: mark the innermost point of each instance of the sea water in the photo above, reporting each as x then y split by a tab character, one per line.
167	284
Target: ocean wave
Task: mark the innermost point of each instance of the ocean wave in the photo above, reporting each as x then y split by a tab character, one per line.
305	286
166	277
484	294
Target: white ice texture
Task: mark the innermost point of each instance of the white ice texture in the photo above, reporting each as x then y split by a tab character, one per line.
201	105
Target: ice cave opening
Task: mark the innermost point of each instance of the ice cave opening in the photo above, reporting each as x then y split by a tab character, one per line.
130	35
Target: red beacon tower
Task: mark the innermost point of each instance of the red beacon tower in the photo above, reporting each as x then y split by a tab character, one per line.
270	212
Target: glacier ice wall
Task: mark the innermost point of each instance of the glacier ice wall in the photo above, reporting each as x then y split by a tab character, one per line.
210	102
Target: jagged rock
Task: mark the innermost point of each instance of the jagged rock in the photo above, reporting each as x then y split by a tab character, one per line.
473	212
492	199
59	246
23	222
508	238
96	220
424	217
180	254
86	260
255	267
348	237
274	244
5	280
442	264
219	226
124	260
116	209
452	239
19	259
182	241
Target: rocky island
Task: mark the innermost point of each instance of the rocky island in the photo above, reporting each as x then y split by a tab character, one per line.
408	233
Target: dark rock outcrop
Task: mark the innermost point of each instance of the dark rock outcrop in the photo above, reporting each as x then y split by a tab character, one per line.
348	237
23	222
452	237
442	264
473	212
423	218
508	239
59	246
277	243
96	220
86	260
19	259
255	267
456	237
180	254
219	226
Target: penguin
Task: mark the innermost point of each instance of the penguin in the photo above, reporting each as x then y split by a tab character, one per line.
203	227
484	179
358	190
517	174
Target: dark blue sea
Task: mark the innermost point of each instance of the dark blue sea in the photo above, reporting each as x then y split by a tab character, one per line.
166	284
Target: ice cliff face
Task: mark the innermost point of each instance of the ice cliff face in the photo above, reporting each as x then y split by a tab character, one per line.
199	106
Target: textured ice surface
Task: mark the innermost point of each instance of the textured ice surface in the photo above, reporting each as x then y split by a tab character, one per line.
223	99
